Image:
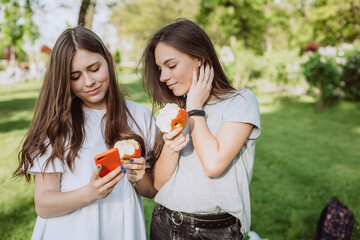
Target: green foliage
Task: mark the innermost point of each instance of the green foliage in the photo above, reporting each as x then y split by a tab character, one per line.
117	56
323	76
17	25
335	21
245	20
137	21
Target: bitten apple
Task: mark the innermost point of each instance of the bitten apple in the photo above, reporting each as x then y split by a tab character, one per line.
128	149
171	117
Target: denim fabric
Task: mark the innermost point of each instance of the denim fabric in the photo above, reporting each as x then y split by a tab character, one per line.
162	228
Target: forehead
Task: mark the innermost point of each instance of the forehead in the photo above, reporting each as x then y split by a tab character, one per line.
84	58
164	52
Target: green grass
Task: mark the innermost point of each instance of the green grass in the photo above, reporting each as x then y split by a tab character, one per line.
303	158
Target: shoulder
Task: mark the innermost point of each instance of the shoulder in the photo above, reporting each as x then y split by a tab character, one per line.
245	94
135	107
138	111
240	97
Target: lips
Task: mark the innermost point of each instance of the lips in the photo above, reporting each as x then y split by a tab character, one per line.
93	91
171	86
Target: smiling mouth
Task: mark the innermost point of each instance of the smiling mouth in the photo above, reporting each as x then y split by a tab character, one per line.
170	86
93	90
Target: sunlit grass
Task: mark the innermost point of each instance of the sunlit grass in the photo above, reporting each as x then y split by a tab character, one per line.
302	159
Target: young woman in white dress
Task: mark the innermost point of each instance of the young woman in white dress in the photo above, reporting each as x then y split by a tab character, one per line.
80	113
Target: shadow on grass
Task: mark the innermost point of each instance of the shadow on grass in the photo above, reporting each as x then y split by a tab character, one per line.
8	107
21	215
14	125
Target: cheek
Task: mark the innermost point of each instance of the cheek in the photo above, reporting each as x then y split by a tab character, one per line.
76	86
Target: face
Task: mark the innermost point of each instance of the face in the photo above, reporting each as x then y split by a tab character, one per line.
90	78
176	68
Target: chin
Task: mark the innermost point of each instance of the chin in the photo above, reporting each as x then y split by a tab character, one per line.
179	93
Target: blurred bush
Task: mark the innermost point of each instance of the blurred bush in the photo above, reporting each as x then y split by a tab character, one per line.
333	73
350	70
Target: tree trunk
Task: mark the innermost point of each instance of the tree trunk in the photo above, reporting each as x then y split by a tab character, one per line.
82	13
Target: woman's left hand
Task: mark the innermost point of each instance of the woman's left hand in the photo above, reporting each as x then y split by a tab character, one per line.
135	170
200	88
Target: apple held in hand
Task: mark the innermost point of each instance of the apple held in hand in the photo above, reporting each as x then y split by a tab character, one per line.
171	117
128	149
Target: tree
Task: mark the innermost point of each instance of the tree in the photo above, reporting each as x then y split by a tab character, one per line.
243	20
335	21
136	21
17	24
86	13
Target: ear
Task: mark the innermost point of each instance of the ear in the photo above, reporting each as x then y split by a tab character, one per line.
200	61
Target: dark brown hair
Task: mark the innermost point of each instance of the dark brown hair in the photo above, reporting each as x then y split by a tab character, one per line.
189	38
58	117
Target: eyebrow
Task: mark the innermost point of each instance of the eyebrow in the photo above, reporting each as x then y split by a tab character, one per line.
87	66
168	60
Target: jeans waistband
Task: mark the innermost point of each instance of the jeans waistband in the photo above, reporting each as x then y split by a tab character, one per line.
201	220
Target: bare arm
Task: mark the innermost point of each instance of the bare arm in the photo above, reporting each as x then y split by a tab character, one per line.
50	202
169	157
217	153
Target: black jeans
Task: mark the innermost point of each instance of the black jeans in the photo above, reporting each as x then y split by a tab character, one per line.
167	225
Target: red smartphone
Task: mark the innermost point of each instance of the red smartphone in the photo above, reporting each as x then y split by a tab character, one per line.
109	160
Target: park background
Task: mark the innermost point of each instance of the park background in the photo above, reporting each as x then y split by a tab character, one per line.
301	58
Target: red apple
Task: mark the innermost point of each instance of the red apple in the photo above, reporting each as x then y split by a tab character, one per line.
171	117
128	149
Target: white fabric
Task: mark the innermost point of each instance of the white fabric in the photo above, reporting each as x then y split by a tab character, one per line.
119	215
190	190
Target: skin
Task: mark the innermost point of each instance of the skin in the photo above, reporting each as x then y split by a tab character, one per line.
180	72
89	82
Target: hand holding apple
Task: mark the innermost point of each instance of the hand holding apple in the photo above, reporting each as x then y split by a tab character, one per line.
128	149
171	117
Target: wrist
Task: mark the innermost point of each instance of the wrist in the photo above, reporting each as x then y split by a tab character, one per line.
196	112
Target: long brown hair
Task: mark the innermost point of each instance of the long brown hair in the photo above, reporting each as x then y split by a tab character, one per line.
58	117
189	38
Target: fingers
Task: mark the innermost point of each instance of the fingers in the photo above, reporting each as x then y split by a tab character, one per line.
111	184
102	187
211	77
202	73
194	79
137	164
179	143
172	134
136	169
96	172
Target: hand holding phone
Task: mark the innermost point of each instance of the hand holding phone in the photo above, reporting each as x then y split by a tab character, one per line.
109	160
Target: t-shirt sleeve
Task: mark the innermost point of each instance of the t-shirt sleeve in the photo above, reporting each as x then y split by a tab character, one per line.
39	164
244	107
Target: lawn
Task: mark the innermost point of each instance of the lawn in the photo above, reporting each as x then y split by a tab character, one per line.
303	158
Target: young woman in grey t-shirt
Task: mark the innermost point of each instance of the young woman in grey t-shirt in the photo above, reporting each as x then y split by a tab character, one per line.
202	172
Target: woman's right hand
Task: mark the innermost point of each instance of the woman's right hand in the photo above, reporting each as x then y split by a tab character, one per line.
102	187
176	140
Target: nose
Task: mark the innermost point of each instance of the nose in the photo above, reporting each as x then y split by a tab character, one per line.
165	75
89	81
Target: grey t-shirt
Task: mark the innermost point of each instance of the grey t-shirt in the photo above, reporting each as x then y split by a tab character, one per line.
190	190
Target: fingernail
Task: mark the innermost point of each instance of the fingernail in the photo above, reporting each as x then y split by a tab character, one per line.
98	166
122	167
194	68
124	171
131	160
